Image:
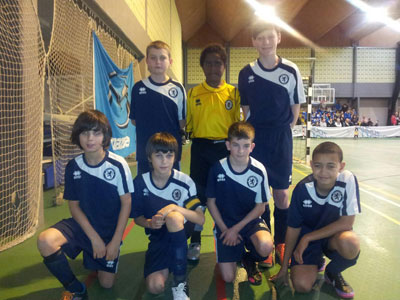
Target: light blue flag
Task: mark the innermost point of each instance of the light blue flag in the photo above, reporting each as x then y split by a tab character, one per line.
113	87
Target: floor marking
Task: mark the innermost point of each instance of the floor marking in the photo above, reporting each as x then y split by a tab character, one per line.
380	191
381	214
93	275
380	197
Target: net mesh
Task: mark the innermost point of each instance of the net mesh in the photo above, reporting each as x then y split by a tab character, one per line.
22	60
70	71
69	63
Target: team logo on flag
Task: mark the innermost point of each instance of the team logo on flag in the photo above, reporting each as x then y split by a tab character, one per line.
119	95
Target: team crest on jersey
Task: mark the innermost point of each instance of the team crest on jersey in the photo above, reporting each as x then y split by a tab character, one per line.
284	78
176	194
252	181
251	79
109	174
198	102
142	91
77	175
228	104
307	203
220	177
173	92
337	196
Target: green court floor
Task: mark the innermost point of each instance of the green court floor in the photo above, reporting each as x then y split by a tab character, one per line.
376	163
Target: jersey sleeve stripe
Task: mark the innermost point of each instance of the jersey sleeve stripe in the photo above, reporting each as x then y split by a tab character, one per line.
192	203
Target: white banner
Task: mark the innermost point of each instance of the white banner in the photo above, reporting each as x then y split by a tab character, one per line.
354	131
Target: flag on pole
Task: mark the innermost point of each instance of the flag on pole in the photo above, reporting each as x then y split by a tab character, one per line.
112	94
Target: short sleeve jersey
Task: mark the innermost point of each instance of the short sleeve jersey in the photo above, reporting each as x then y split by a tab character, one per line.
270	93
148	199
237	194
309	209
212	110
157	107
98	190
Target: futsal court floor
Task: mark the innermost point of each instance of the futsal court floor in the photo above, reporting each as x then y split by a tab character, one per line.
376	163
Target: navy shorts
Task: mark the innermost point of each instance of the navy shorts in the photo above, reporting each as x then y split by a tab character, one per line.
274	149
78	242
235	253
314	253
159	251
204	154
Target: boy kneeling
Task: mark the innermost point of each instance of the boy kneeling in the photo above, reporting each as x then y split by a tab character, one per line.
237	193
163	200
321	217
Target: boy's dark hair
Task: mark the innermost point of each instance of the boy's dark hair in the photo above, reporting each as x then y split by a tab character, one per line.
328	148
241	130
158	45
260	26
91	120
161	141
213	48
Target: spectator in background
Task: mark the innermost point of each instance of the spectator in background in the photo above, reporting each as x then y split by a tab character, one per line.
397	118
364	122
393	120
338	123
370	123
347	123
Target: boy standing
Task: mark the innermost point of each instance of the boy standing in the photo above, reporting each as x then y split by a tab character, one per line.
321	218
98	185
163	200
237	194
212	107
158	104
271	91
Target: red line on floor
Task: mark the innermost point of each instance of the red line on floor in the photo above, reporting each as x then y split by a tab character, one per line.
92	276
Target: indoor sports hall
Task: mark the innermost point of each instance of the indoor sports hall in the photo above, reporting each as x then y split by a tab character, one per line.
347	51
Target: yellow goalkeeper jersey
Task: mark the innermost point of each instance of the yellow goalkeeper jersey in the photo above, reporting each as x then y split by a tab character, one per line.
210	111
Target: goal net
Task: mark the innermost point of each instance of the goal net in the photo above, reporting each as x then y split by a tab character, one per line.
22	60
70	76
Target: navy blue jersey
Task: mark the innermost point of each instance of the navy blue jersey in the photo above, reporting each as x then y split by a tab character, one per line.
269	93
157	107
237	193
148	199
98	190
310	210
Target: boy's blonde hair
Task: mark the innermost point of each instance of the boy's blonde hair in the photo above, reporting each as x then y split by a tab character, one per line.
241	130
260	26
158	45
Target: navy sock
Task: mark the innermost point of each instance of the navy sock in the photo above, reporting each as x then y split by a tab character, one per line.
196	237
266	216
338	263
253	254
58	265
280	224
179	252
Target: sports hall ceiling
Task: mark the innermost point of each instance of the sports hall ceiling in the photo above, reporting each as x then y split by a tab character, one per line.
327	23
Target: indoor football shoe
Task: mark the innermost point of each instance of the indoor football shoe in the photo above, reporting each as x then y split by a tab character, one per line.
181	291
253	273
342	288
194	251
74	296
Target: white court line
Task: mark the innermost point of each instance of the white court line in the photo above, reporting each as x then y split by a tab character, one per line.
379	197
